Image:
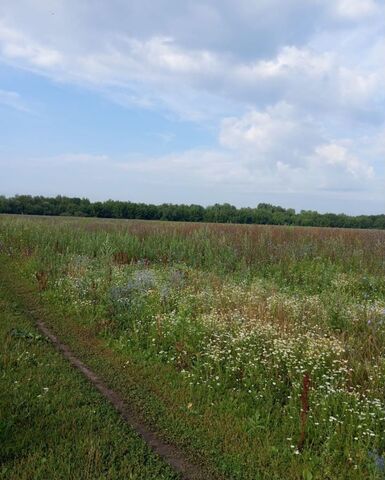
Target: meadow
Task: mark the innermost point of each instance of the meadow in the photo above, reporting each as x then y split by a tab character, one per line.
259	350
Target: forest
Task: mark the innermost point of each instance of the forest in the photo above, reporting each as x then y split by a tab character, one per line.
263	213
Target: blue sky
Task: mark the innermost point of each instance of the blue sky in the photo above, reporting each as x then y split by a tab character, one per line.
279	101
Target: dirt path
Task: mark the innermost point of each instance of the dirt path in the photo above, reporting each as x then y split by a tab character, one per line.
171	454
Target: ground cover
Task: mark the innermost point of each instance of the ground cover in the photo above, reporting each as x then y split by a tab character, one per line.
53	424
259	350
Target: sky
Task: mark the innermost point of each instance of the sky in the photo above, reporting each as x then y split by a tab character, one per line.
195	101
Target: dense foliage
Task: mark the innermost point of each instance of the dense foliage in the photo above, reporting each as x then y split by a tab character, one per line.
264	213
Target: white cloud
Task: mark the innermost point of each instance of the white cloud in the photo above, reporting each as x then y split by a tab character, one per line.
13	100
290	59
336	155
298	105
17	46
157	70
259	131
355	9
265	151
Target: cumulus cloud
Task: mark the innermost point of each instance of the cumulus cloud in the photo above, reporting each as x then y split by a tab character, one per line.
298	105
259	132
264	151
158	61
335	155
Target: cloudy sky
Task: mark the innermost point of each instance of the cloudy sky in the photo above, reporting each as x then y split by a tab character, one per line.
195	101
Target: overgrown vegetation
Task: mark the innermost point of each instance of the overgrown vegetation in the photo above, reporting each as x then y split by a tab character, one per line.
53	424
264	213
261	349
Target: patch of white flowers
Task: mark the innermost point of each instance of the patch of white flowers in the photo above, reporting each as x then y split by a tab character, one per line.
247	339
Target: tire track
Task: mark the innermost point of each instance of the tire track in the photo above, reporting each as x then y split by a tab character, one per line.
171	454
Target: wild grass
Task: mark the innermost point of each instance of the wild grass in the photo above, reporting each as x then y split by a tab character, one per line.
266	344
53	424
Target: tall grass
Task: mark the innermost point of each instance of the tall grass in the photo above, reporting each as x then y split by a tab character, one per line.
275	335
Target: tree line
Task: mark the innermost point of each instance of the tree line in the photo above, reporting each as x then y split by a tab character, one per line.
264	213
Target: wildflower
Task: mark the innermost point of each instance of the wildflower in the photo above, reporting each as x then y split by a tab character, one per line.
379	460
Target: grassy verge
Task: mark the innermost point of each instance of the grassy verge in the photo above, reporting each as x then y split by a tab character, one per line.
53	424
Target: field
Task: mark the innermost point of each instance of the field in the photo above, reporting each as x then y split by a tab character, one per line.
258	350
53	425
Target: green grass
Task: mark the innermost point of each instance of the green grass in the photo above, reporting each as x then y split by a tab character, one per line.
53	424
210	331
